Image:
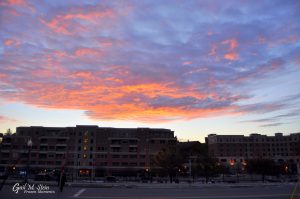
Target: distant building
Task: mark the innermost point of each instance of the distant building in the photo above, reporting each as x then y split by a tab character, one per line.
236	149
84	151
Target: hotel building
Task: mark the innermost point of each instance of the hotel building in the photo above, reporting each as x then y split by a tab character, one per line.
84	151
236	149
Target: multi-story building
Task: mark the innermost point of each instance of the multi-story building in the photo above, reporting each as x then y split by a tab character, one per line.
233	149
84	151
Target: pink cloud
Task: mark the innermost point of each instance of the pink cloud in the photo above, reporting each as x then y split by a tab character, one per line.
86	51
213	50
187	63
231	54
6	119
13	2
233	44
68	23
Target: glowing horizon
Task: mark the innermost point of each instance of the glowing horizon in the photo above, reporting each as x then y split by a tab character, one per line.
196	68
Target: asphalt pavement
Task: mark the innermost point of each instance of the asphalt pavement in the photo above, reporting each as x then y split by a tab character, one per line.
268	191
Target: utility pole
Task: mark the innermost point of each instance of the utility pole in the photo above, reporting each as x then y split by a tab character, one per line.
190	168
29	145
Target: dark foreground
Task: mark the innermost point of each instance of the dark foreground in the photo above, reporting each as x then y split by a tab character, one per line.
279	191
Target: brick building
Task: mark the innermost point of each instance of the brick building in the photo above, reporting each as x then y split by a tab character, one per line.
84	151
236	149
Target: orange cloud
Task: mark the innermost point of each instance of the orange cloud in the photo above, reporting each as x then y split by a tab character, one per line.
83	74
10	42
104	101
88	16
231	56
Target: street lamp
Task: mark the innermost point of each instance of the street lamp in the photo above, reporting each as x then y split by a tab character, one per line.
29	145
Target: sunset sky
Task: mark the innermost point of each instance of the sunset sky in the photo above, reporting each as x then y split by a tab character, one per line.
196	67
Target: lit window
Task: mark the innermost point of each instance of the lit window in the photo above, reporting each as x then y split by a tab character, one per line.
84	155
85	148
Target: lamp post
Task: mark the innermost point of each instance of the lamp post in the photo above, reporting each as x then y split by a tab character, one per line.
29	145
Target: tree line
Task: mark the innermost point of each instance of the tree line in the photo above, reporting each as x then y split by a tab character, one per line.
192	159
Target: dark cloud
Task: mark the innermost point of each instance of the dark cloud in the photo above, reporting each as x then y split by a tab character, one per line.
272	124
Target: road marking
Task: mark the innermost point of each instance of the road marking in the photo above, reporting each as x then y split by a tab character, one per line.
182	197
76	195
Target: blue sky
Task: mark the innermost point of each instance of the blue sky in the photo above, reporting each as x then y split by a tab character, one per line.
196	67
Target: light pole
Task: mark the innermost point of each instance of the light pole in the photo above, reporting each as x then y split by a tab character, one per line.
29	145
190	169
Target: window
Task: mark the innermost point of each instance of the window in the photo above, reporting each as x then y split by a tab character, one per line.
102	156
115	149
133	164
132	149
115	156
133	156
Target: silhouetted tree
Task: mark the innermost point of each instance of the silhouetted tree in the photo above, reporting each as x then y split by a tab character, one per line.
8	132
204	165
263	167
170	159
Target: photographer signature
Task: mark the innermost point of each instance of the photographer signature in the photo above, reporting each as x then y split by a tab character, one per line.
31	188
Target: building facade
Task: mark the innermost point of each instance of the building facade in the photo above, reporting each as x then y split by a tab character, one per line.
84	151
237	149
